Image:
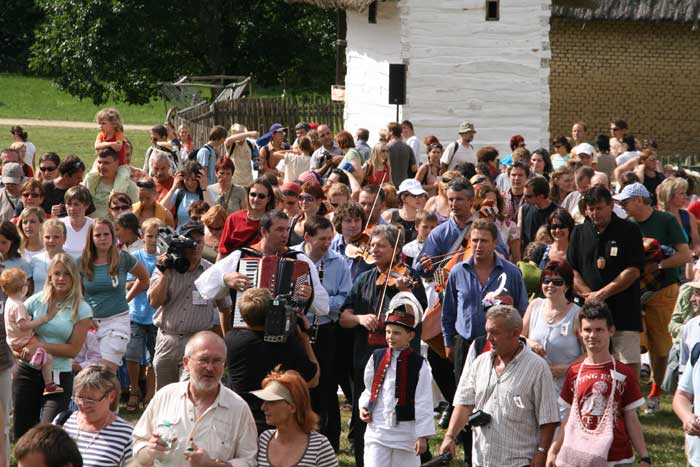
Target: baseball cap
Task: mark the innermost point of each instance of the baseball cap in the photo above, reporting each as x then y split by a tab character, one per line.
277	127
413	186
632	190
190	227
465	127
12	173
274	391
507	161
584	148
302	126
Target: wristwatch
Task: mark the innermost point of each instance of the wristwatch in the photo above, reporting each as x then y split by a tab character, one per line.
645	459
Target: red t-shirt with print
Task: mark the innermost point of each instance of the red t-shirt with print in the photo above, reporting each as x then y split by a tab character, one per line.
594	388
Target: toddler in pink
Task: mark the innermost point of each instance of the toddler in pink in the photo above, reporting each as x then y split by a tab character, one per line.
19	326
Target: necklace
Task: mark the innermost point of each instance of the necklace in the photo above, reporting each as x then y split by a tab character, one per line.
96	435
553	316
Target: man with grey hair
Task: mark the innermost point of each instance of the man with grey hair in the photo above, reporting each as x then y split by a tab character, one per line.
198	422
510	392
162	173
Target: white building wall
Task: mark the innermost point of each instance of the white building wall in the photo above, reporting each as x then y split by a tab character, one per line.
492	73
371	48
460	67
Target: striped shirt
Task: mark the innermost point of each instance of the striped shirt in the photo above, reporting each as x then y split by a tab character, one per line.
520	400
318	453
110	447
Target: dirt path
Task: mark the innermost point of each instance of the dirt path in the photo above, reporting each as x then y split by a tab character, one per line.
64	124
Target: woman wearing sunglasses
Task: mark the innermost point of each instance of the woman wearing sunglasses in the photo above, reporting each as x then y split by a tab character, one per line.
311	202
550	323
559	226
48	167
242	228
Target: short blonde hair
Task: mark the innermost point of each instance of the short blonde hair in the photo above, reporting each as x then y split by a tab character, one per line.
254	304
665	191
12	280
151	223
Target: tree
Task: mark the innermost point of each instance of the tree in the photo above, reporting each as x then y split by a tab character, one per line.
18	20
99	49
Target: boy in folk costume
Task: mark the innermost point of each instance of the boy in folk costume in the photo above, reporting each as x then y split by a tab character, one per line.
603	395
397	403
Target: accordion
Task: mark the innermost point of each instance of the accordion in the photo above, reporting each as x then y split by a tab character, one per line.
281	274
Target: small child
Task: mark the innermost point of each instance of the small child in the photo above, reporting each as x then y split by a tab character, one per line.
397	428
426	221
19	326
111	136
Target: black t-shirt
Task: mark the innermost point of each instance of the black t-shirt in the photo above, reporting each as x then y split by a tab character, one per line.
53	195
650	183
621	247
532	219
250	359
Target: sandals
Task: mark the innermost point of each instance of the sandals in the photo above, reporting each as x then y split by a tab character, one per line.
133	404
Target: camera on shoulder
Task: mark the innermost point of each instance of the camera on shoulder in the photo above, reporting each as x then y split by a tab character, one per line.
175	246
479	418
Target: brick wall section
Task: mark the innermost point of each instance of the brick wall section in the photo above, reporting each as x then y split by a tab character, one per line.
646	73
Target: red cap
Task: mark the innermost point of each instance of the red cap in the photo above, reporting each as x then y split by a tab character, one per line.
289	186
401	317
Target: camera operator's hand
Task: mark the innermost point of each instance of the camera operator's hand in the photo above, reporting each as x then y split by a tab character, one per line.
448	445
236	281
369	322
161	263
202	178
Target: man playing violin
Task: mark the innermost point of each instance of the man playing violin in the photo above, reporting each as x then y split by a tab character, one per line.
364	308
224	277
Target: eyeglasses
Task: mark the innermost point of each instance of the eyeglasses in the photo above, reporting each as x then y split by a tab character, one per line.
555	282
257	195
307	198
209	361
87	401
120	207
31	194
48	169
557	226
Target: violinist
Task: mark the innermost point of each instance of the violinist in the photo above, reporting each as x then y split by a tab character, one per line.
372	199
365	306
349	220
335	278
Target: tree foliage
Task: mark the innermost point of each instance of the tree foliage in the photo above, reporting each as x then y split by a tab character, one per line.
99	49
18	19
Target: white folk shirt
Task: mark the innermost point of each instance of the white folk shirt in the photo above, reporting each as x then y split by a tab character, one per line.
226	430
384	428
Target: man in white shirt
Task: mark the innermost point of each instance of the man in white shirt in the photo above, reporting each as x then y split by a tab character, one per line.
410	138
461	150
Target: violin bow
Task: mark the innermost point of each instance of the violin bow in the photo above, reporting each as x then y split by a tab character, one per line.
374	204
391	265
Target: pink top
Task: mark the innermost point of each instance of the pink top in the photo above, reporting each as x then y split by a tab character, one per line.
15	312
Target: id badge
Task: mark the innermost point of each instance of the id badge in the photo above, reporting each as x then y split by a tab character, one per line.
197	298
565	329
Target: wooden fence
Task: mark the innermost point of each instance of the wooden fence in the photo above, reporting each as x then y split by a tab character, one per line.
260	113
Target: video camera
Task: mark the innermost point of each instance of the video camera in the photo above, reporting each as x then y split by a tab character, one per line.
174	246
280	320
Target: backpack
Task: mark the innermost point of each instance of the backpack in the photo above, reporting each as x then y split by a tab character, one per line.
455	146
192	155
181	196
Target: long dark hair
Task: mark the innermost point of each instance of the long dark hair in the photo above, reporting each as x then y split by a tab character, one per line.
10	232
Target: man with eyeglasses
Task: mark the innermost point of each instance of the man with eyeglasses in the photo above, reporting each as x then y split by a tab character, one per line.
162	173
181	311
198	422
70	173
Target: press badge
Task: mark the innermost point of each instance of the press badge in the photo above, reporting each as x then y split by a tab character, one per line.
518	402
197	298
613	251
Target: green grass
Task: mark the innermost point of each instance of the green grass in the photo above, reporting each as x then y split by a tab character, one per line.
81	142
38	98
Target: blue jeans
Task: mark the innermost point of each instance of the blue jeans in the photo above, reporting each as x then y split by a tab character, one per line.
142	342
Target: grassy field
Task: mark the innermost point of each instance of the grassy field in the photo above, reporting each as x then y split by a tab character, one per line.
81	142
38	98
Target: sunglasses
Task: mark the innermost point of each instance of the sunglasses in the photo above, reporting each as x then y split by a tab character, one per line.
120	207
557	226
445	180
307	198
31	194
257	195
48	169
555	282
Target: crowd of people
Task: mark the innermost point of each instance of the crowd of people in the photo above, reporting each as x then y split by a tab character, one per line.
233	291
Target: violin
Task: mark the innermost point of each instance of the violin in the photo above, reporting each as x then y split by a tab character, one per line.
359	248
397	271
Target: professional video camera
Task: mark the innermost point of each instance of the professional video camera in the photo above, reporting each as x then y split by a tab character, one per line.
281	319
174	246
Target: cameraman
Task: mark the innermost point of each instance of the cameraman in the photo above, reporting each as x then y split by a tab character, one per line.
180	309
250	358
511	393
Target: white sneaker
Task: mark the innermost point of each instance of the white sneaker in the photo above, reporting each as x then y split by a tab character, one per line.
652	405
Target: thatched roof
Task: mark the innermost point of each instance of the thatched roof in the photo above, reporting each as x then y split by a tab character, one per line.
683	11
352	5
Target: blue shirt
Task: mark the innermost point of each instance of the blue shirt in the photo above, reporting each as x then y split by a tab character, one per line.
183	210
462	312
140	309
336	280
206	157
439	242
59	329
106	297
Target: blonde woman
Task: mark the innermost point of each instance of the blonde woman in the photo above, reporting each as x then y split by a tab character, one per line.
29	226
53	237
103	268
378	167
438	203
672	197
63	337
